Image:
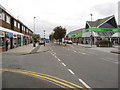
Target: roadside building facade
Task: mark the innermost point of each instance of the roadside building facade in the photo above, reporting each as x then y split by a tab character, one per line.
100	29
12	31
75	36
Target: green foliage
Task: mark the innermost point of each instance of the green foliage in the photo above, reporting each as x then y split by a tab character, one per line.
51	36
59	32
105	42
36	37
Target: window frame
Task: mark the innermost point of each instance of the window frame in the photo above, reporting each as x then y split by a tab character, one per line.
3	16
15	23
8	19
18	25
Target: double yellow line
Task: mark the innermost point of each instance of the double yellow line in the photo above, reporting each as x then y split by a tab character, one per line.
47	77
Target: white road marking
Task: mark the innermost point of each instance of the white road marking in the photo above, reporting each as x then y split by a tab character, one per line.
54	53
63	64
112	59
83	53
55	56
75	51
71	71
84	83
109	60
59	59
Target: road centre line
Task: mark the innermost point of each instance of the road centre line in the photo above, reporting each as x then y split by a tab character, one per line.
71	71
55	56
75	51
59	59
83	53
87	86
63	64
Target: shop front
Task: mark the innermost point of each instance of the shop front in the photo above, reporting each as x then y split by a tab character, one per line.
98	34
2	40
9	40
19	40
14	40
25	40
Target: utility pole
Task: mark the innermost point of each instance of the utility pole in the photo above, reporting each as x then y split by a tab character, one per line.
34	43
34	24
91	30
44	37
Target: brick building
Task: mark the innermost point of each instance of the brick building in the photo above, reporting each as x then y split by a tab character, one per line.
13	31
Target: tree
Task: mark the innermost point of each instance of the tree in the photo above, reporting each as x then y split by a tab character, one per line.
51	36
36	37
59	33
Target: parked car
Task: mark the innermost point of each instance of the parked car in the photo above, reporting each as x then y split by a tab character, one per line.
65	41
69	42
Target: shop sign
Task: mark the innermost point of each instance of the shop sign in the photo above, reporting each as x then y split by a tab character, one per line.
9	35
14	35
2	34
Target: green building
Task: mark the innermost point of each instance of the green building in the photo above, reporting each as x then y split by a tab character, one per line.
100	29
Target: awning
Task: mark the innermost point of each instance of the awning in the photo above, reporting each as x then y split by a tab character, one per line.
88	34
2	34
117	34
10	31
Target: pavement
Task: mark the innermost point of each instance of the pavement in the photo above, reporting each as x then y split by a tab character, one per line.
27	49
114	49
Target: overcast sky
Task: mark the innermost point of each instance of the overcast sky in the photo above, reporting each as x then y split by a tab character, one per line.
70	14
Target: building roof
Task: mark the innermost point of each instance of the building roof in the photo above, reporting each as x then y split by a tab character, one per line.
117	34
76	31
99	22
118	26
5	10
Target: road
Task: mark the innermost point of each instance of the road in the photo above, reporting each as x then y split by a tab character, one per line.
85	67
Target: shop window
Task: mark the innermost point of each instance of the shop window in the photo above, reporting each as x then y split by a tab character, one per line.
8	19
15	23
24	28
1	41
18	25
3	16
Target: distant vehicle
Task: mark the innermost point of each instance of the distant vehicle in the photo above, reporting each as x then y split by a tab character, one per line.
69	42
47	40
65	41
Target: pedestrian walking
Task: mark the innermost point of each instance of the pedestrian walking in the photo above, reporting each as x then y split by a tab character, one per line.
77	42
7	43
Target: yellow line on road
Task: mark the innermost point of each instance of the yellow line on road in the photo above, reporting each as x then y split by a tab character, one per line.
45	76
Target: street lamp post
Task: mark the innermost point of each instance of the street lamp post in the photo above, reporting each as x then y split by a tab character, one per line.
91	29
44	37
34	33
34	24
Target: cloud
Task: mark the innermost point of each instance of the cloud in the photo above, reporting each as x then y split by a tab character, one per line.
71	14
106	8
